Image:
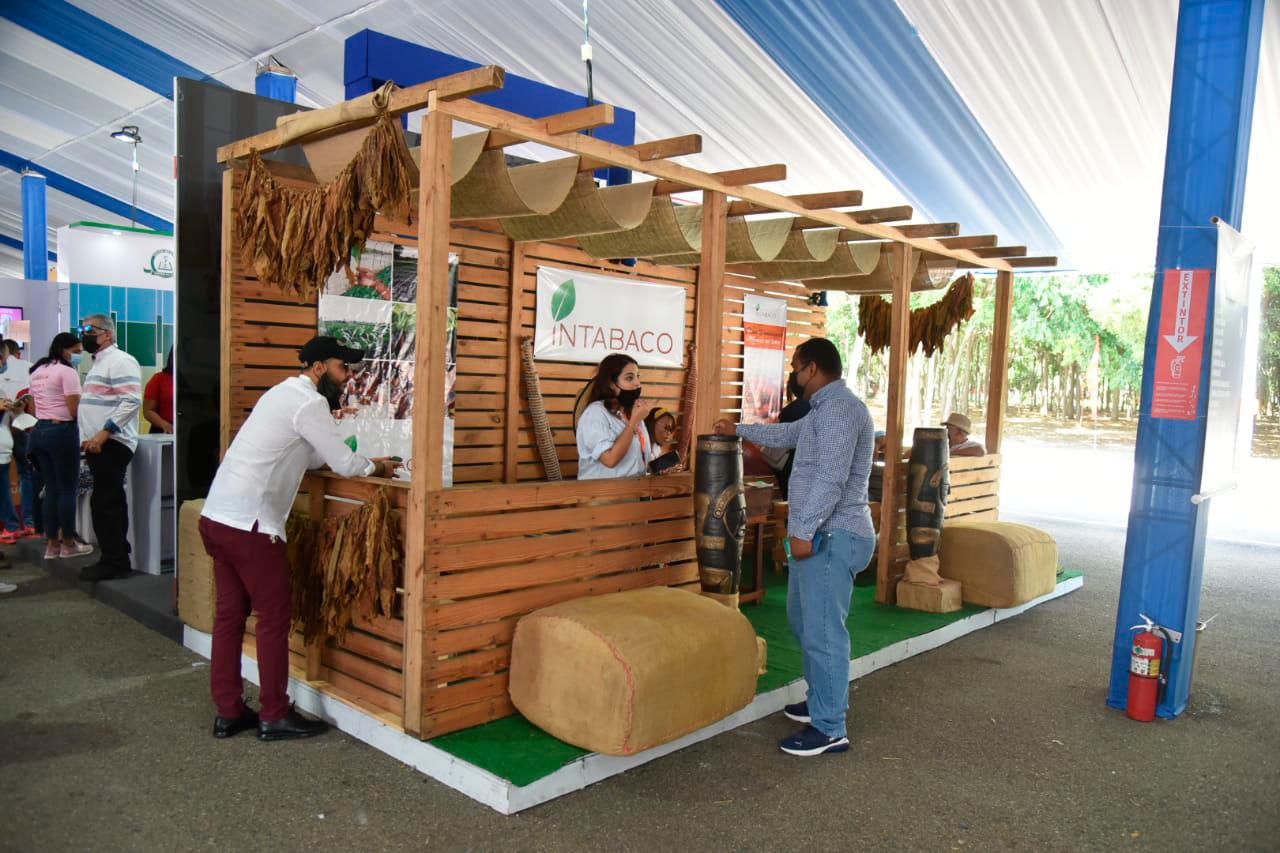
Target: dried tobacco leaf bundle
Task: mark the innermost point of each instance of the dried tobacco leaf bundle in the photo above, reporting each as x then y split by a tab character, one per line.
295	239
928	327
344	566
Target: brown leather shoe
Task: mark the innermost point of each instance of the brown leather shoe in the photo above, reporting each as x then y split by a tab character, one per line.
228	726
291	727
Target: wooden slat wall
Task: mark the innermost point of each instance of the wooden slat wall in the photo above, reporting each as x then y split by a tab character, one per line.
975	496
505	552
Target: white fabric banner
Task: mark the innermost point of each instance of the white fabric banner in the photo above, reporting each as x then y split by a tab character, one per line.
584	317
1232	397
90	254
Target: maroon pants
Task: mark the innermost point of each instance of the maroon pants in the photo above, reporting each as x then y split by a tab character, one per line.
251	570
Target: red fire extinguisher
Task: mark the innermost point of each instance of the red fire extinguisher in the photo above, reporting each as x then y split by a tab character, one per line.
1147	670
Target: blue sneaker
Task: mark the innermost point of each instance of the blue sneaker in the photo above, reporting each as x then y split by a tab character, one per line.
798	712
810	742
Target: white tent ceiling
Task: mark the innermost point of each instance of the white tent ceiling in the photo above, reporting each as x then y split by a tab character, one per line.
1073	94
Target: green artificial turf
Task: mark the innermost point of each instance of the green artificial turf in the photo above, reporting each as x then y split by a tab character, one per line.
516	750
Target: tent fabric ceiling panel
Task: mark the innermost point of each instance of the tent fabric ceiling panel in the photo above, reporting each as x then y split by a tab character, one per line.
1075	96
1069	97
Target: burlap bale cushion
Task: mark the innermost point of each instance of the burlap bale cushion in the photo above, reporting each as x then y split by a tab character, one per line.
621	673
998	563
195	570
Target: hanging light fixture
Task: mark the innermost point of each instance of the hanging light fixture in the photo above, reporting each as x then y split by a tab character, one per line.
129	133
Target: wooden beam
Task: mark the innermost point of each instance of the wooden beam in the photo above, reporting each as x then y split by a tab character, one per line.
887	574
428	381
315	511
729	179
573	121
484	115
656	149
810	201
930	229
511	425
998	381
1041	261
474	81
709	307
1000	251
225	300
867	216
971	241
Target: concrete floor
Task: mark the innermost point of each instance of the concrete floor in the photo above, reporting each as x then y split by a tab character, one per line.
1000	740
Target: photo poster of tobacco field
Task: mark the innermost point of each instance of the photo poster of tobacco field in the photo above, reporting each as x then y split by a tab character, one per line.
373	307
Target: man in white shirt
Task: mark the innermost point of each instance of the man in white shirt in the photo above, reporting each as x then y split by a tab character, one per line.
958	429
15	378
110	400
290	430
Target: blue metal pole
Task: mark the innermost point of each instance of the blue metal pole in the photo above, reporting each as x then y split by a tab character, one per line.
35	227
274	84
1215	72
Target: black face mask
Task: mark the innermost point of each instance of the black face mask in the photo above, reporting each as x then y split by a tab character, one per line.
794	388
627	398
331	391
90	341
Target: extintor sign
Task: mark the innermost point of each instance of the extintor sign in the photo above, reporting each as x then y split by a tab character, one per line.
1180	351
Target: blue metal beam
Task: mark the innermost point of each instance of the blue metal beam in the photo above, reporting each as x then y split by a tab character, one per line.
867	68
15	243
372	58
35	227
1215	72
84	192
99	42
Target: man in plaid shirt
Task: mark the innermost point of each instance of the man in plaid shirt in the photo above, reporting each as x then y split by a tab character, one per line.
830	535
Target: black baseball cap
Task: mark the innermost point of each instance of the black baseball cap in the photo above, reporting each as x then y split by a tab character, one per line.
324	347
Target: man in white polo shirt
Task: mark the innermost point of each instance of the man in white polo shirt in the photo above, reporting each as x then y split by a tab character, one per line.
290	430
110	400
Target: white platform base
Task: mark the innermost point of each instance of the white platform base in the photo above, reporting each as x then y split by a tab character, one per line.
503	796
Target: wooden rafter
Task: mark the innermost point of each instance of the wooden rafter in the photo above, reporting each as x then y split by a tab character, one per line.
868	216
811	201
1041	261
474	81
656	149
586	118
1001	251
730	178
972	241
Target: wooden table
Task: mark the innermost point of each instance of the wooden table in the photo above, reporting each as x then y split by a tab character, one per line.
760	522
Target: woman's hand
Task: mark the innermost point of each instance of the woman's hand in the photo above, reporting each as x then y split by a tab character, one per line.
640	410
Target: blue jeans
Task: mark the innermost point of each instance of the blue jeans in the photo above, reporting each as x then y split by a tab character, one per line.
819	589
8	517
56	448
31	510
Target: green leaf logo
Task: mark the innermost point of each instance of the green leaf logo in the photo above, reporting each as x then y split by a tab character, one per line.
562	300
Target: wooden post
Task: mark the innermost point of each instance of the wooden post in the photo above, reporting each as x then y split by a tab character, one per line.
428	384
315	511
228	256
887	576
998	381
511	426
709	305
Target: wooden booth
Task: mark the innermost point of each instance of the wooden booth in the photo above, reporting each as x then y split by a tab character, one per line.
503	540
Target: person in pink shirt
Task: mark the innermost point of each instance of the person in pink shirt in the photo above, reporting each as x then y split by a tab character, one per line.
55	442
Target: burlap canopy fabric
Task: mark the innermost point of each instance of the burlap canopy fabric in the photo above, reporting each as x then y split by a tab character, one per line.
668	229
930	273
746	241
589	209
848	259
294	239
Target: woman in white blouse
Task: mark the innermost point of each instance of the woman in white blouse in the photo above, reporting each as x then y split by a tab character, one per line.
612	438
